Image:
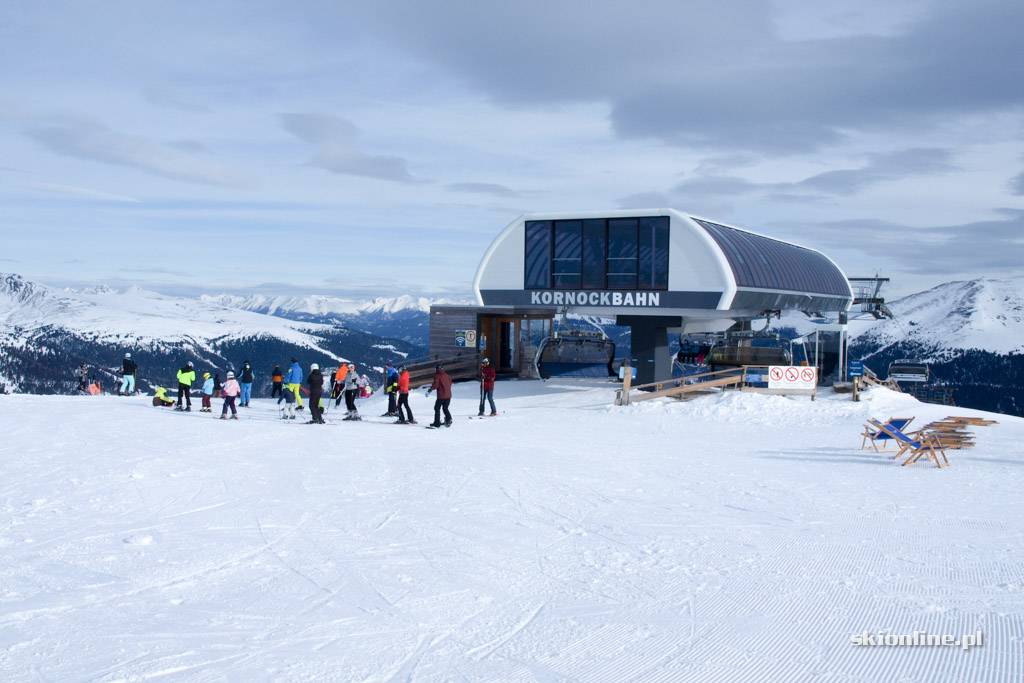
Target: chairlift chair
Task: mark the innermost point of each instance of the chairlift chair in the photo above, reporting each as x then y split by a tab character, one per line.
909	370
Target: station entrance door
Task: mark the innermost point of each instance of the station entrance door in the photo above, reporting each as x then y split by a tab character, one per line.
500	342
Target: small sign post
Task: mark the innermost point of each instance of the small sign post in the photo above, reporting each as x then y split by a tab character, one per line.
855	369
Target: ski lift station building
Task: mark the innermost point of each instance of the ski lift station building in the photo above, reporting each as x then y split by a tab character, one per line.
658	271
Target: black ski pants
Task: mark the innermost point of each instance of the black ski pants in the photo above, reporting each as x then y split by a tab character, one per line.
439	405
403	400
186	391
315	408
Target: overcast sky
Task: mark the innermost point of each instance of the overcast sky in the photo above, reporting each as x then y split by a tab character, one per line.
376	148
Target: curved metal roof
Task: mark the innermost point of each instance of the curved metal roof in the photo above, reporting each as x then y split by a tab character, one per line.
760	262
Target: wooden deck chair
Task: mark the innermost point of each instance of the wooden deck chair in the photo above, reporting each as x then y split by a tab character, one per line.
924	444
875	435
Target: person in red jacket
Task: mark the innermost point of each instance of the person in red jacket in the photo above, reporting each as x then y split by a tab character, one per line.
487	386
403	397
443	384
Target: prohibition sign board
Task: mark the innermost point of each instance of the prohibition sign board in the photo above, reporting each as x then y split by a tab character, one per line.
792	377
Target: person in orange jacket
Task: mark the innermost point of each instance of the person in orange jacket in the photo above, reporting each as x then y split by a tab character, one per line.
277	377
403	397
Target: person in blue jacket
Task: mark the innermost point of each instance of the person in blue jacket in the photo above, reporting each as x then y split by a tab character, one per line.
391	387
294	381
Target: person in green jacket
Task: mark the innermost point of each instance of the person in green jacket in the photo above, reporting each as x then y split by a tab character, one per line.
160	399
186	376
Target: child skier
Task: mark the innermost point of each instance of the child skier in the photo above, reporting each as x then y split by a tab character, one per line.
207	393
288	409
231	391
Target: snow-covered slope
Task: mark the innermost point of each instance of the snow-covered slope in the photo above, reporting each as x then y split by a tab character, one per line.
985	314
736	537
134	316
46	332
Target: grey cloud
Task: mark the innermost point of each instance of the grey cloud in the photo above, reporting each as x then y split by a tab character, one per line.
882	168
169	98
644	200
94	142
484	188
79	192
335	140
990	246
721	76
1017	185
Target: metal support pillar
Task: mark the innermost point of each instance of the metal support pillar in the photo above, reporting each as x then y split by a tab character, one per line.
649	345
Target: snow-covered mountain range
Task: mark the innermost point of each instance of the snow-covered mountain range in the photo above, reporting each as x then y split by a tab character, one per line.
983	314
971	332
45	333
403	317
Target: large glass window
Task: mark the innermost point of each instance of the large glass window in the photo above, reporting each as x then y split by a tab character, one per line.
595	251
538	254
568	254
622	253
612	253
652	248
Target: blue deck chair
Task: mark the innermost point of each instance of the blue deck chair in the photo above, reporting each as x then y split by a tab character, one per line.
923	444
876	436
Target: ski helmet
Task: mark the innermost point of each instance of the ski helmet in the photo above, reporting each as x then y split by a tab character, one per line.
127	355
485	361
231	375
314	366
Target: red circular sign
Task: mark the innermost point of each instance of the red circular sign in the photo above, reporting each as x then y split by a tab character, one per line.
807	374
792	374
775	374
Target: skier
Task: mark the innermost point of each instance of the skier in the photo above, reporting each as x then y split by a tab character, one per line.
443	384
351	390
186	376
83	379
316	389
231	391
288	411
403	397
487	386
294	380
207	393
246	383
702	354
339	384
391	387
160	398
277	377
216	385
128	370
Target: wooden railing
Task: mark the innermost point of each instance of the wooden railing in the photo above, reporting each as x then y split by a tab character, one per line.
678	387
464	366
